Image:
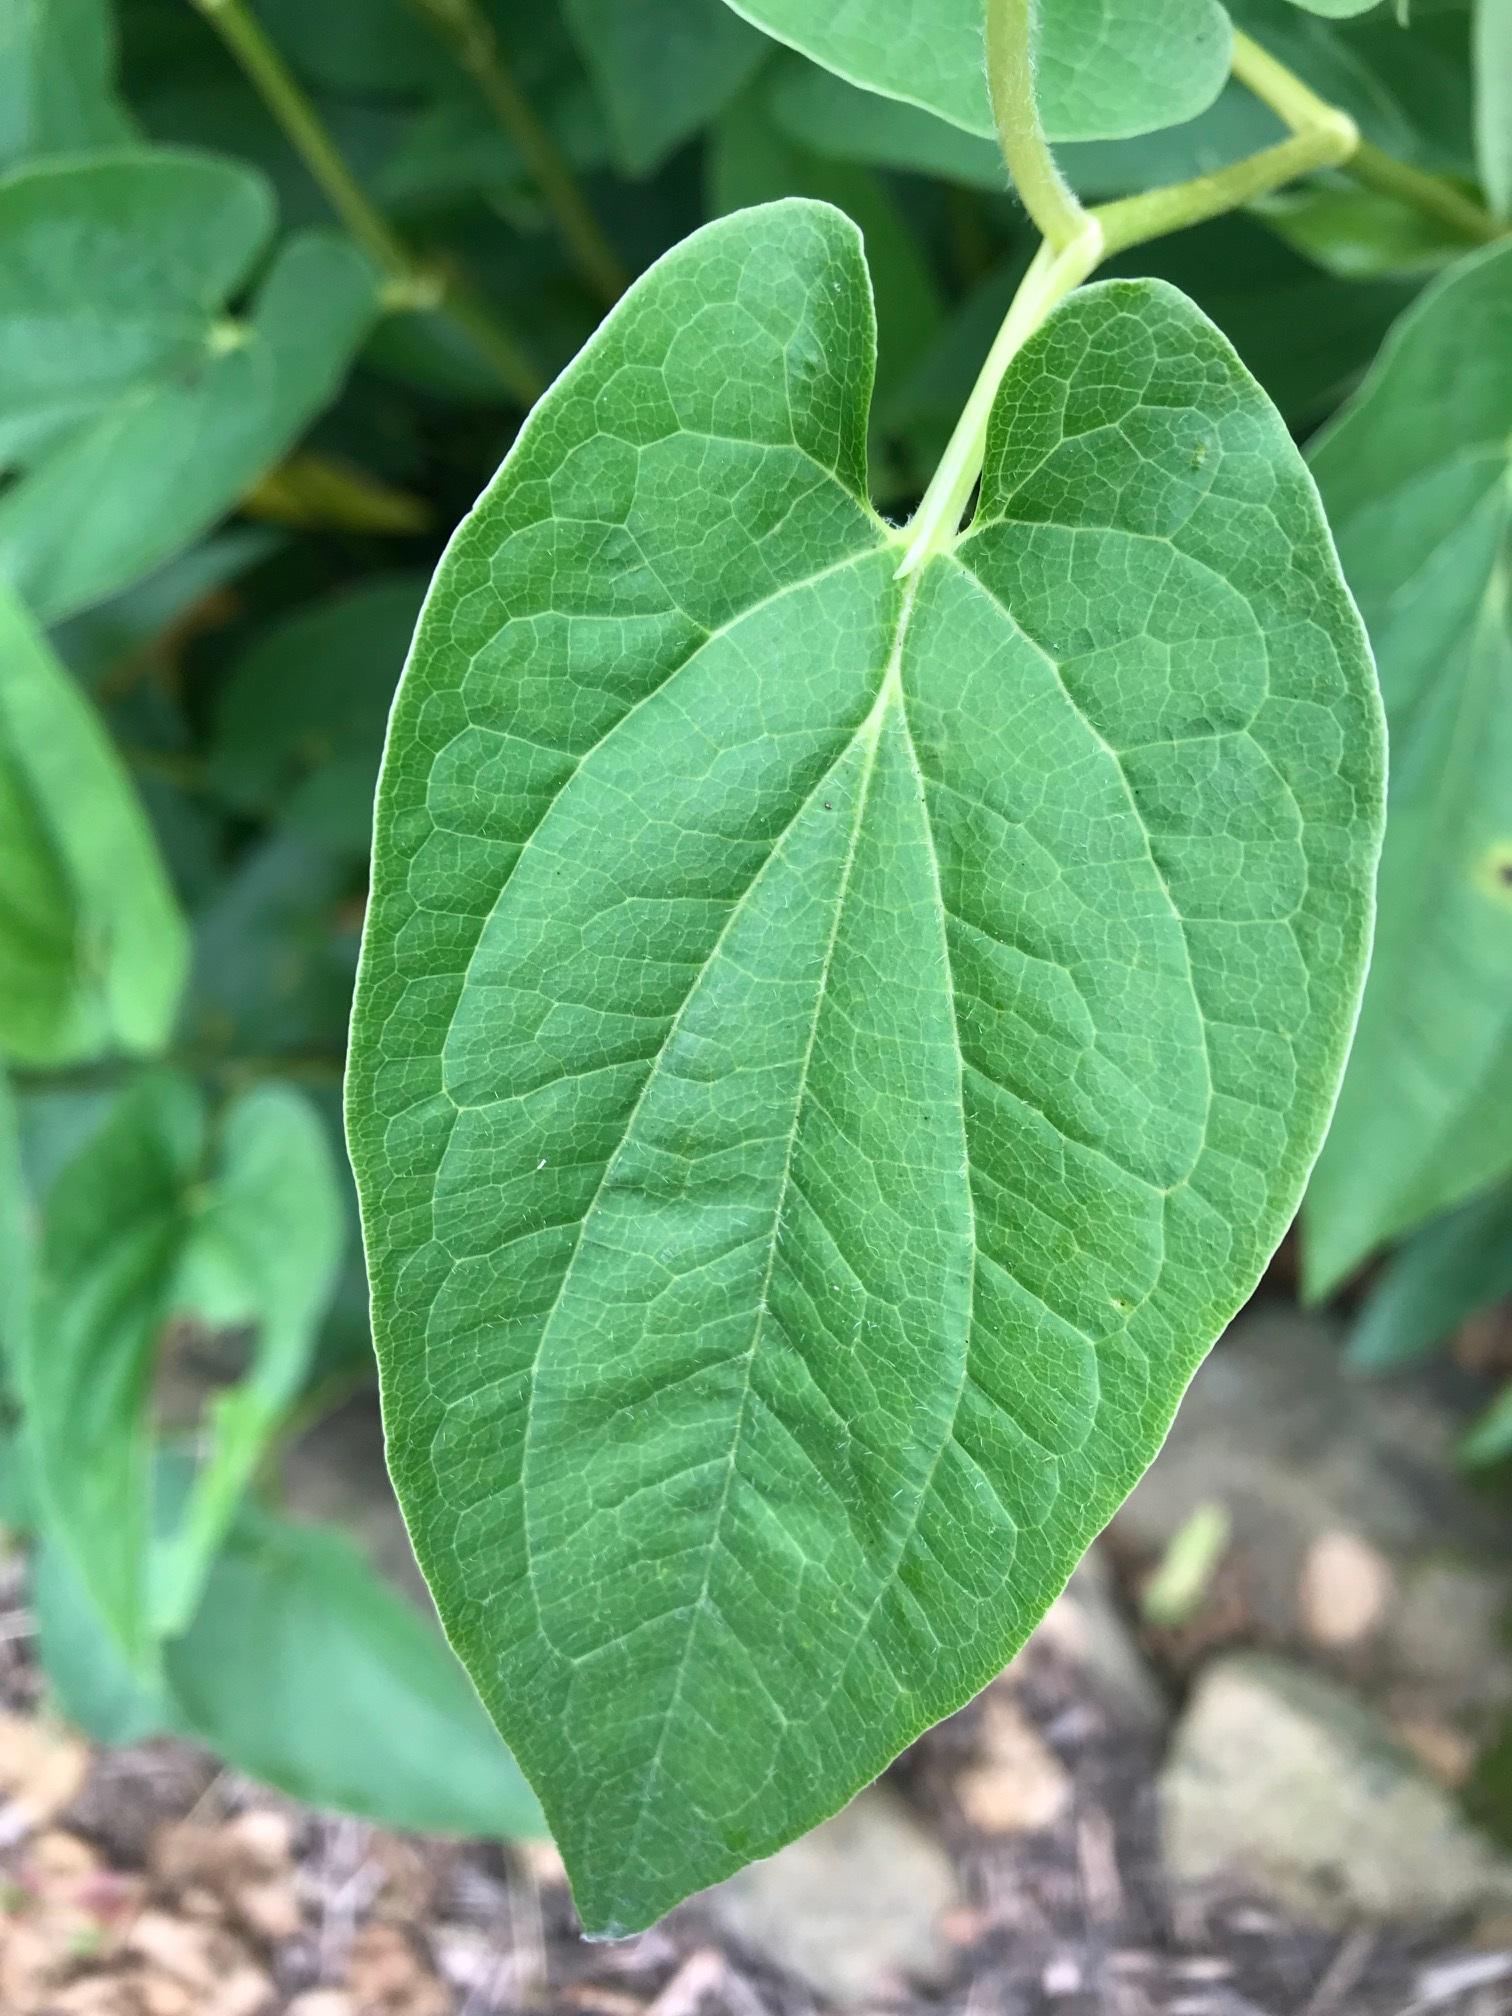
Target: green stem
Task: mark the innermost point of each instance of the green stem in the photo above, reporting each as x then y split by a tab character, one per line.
1158	212
1300	108
1428	193
1294	103
477	48
1051	276
410	285
1012	33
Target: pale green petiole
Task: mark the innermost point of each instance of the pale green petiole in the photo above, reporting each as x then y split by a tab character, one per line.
1076	241
1050	278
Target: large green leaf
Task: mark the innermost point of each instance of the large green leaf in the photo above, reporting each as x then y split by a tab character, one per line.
1104	72
662	68
92	947
1415	477
751	162
142	1226
831	1052
56	63
303	1669
133	409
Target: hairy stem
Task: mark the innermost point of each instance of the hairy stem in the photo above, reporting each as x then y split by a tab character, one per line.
1136	219
1011	37
411	286
477	49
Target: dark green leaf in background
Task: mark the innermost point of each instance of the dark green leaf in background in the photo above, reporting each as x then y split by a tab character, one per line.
305	1670
133	429
263	1252
1441	1277
832	1052
1407	88
275	952
662	68
1415	478
15	1240
300	726
92	947
92	1682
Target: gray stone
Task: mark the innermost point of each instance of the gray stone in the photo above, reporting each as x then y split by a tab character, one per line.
1281	1785
1086	1628
1301	1451
854	1908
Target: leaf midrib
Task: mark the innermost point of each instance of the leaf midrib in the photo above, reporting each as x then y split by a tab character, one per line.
874	714
869	737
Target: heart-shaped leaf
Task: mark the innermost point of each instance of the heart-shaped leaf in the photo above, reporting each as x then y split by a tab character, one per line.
832	1051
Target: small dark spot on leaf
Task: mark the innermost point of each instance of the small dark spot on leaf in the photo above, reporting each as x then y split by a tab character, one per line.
1494	870
829	805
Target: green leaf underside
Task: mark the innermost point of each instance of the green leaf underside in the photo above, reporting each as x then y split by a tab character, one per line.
1102	74
93	950
1415	476
831	1054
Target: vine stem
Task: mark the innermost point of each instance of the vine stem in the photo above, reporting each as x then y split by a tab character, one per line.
1012	38
477	49
1134	220
1077	240
1300	108
410	285
1430	193
1051	276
